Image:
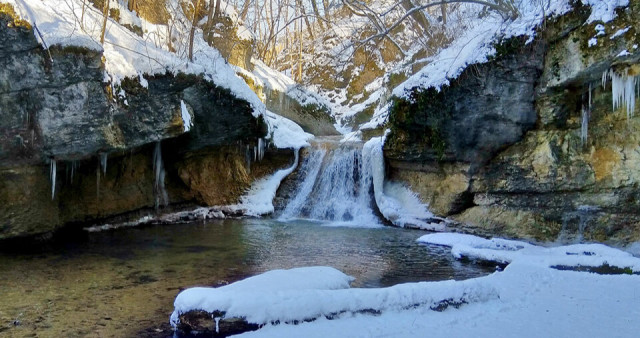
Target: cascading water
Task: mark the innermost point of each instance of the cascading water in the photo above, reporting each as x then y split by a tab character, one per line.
335	187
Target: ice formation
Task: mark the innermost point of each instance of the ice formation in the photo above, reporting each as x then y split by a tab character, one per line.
186	117
52	176
623	88
103	162
161	196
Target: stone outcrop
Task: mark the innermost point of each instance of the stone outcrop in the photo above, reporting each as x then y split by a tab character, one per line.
501	151
59	116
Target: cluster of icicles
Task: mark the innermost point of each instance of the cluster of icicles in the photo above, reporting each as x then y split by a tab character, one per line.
159	190
624	88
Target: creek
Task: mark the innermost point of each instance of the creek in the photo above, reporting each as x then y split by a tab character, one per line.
123	282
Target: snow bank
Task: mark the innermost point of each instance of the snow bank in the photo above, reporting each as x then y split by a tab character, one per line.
396	202
508	251
314	292
527	299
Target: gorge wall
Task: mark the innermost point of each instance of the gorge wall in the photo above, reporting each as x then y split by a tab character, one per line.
501	150
73	150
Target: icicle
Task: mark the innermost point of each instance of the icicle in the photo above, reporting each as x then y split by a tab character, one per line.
52	176
255	153
217	319
260	149
103	162
74	163
585	124
247	158
98	182
590	104
161	196
623	89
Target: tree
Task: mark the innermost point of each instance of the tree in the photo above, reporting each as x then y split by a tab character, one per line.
192	30
105	16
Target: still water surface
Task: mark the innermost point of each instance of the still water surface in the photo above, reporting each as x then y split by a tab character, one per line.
122	283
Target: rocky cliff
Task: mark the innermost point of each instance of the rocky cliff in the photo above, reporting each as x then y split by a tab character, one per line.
528	145
74	148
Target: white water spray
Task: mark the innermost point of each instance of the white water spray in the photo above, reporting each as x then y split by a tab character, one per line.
344	183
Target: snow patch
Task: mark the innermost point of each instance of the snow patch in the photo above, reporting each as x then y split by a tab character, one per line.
186	116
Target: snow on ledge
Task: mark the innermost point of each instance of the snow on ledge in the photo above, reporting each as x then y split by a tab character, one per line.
126	54
475	44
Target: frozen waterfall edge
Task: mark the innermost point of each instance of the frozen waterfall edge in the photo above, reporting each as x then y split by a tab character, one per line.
397	203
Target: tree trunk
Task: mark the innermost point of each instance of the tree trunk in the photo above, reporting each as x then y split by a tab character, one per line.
443	9
192	32
417	16
245	10
317	13
210	15
105	15
84	5
303	12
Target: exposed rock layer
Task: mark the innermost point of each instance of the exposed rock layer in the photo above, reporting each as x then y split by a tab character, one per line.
512	162
61	112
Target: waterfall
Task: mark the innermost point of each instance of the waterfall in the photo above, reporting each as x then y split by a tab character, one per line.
333	188
343	184
159	191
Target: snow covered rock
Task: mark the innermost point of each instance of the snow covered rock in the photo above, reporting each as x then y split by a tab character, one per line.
306	294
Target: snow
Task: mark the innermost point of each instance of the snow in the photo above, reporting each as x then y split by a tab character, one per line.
285	133
527	299
396	202
604	10
592	42
313	292
600	29
258	200
186	117
126	54
620	32
509	251
476	43
271	78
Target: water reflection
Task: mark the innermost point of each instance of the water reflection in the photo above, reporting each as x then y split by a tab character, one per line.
122	283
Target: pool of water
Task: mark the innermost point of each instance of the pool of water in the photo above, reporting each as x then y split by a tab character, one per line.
123	282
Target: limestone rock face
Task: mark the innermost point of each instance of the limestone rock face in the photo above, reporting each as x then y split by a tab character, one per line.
489	107
102	142
515	150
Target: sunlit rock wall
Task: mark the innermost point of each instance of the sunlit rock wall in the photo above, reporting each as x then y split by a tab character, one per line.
513	160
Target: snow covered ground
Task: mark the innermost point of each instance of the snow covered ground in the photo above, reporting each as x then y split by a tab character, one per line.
528	299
